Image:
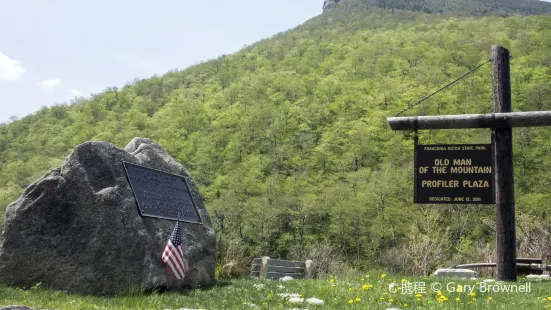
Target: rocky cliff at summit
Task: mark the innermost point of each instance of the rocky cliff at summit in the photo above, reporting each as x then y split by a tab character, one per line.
329	4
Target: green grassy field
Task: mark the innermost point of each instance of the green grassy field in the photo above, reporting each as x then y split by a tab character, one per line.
369	291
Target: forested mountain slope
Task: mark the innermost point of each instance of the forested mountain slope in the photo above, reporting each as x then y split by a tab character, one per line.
457	7
289	142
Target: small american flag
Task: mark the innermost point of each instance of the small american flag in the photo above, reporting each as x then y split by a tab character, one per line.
173	256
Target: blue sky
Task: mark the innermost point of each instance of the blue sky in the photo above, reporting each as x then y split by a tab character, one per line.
53	50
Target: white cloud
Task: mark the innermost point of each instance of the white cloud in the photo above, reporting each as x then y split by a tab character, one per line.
74	92
51	83
10	70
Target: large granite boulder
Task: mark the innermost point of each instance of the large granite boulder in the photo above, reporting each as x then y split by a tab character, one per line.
78	228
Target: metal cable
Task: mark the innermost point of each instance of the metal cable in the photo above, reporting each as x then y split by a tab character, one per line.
443	87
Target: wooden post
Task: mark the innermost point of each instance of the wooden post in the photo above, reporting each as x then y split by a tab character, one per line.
264	267
503	152
308	269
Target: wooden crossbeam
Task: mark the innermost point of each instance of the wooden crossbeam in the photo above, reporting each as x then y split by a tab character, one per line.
492	120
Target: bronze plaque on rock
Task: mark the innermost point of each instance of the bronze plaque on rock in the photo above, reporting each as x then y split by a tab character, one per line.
160	194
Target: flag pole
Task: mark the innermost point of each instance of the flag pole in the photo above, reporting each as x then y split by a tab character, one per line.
178	223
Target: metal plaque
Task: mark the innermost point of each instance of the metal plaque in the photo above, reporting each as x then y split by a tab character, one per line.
160	194
454	174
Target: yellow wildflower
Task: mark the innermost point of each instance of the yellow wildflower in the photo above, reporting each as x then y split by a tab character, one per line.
458	299
350	301
358	299
383	276
549	298
404	280
390	300
459	288
332	280
405	305
490	298
473	294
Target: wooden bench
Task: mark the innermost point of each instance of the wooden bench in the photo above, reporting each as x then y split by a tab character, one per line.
275	268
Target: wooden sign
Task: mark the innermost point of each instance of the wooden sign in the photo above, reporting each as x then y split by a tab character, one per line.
501	121
454	174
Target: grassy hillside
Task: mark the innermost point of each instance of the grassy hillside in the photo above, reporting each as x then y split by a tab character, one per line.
357	291
289	142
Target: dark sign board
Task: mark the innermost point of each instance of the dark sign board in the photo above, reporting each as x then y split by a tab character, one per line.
454	174
160	194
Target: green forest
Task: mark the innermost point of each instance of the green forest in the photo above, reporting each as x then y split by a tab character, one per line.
289	143
456	7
